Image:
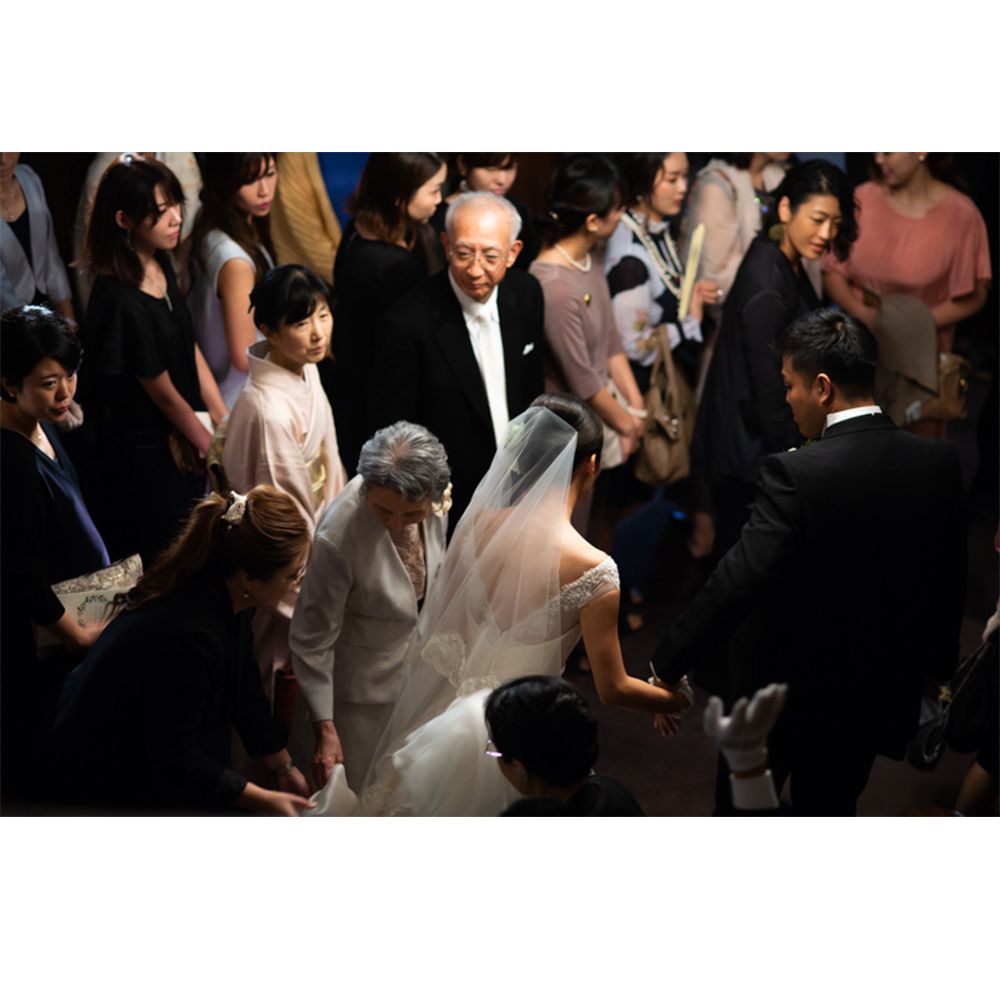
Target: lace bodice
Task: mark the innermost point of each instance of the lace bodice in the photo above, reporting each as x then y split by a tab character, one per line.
485	655
596	582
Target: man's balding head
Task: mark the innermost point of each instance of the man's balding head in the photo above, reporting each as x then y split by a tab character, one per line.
480	241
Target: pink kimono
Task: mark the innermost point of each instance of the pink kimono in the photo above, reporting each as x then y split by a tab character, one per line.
281	432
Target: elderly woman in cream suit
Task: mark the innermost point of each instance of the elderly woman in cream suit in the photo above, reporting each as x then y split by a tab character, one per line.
377	549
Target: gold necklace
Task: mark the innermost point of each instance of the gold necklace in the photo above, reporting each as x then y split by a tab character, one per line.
10	205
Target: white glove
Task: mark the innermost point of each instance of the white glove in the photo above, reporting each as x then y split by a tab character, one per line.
681	687
742	735
913	412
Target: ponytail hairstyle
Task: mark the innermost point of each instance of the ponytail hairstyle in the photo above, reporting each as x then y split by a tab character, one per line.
258	533
814	177
387	184
127	186
584	184
222	175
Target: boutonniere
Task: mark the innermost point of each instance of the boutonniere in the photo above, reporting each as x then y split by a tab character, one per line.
442	506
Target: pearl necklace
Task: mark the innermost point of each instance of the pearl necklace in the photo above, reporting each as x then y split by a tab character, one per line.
585	266
669	271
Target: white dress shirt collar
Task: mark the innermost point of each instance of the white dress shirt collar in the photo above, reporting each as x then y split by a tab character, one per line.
482	321
854	411
472	309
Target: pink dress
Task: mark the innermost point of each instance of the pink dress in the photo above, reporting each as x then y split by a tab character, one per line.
935	258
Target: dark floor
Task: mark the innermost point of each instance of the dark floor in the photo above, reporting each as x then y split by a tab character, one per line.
676	776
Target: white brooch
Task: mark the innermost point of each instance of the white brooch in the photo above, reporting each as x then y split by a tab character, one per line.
442	506
236	509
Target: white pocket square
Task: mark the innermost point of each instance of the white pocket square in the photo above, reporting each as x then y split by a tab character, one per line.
528	348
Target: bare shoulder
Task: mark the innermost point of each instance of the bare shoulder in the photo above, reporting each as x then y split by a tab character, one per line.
577	557
235	274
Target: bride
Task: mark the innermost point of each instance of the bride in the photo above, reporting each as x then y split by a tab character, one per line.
518	588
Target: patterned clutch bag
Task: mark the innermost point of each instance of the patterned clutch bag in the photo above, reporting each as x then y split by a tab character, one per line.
88	598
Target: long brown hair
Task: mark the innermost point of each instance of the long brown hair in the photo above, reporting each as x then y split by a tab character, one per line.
387	184
269	534
223	174
128	185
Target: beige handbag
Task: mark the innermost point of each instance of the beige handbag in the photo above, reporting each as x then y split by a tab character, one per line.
910	369
665	450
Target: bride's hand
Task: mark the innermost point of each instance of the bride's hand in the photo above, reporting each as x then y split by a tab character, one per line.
327	752
668	725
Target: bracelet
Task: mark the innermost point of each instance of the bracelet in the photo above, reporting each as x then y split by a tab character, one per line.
281	771
636	412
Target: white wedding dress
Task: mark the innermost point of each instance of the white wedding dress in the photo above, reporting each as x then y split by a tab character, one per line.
496	612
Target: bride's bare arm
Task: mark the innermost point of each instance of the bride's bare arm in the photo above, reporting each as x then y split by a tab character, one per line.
599	624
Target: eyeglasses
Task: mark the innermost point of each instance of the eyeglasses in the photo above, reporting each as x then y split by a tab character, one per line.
489	258
490	749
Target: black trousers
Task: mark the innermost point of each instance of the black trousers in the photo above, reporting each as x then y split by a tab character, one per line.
827	772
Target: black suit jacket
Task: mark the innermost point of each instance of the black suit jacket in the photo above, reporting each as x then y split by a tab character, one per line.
847	582
425	371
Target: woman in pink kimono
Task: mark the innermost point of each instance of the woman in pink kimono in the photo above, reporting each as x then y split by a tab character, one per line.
281	432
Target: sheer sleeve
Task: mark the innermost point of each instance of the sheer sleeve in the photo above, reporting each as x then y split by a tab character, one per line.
596	582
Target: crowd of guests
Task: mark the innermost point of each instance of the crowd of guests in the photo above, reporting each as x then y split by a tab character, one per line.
290	374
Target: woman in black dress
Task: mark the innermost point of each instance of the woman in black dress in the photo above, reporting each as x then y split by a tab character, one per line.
144	722
377	261
146	376
48	535
743	416
496	173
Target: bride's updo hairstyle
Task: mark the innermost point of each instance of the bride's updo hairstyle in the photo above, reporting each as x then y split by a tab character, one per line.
259	533
576	413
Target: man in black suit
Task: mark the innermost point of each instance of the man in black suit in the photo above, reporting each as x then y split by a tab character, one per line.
462	352
847	581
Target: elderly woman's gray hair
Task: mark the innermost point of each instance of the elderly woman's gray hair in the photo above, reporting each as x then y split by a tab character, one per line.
481	200
407	458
